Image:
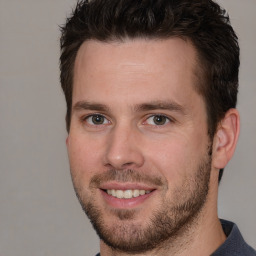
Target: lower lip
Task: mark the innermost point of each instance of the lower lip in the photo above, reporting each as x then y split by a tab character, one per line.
123	203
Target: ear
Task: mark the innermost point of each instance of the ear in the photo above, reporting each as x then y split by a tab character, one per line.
225	139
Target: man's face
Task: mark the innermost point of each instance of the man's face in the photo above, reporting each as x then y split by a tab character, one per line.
138	144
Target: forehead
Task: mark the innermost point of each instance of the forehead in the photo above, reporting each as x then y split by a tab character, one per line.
138	51
135	67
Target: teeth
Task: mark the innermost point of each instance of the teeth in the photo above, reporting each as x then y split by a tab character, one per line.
136	193
127	194
142	192
113	192
119	194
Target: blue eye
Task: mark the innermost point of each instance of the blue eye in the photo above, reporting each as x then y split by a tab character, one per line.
96	119
158	120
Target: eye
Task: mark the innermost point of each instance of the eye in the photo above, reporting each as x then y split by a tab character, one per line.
96	119
158	120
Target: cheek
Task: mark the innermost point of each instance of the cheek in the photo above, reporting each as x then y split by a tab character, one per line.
170	159
176	157
84	157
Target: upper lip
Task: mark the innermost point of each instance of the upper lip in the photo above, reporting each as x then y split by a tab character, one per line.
126	186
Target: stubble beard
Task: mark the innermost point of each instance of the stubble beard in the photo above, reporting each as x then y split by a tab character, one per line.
171	220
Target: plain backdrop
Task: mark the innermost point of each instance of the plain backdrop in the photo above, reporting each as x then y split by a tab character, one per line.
39	213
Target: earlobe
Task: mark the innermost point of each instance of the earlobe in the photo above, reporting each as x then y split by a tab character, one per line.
225	139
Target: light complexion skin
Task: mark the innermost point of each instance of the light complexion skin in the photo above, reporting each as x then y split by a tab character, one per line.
139	148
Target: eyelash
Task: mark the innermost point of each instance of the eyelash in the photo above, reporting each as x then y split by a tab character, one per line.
85	119
167	119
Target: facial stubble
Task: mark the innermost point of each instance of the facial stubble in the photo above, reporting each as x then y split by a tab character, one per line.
170	220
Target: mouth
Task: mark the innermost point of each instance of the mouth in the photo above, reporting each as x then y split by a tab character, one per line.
125	196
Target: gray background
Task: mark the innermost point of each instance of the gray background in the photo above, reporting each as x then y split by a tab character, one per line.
39	213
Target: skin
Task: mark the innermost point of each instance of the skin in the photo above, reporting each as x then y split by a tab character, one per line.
124	78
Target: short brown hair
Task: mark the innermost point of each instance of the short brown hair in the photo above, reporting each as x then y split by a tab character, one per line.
203	22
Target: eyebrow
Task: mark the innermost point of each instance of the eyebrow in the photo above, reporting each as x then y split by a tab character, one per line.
163	105
154	105
86	105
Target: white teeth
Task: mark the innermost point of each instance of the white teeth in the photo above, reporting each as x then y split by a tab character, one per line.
136	192
142	192
113	192
119	194
127	194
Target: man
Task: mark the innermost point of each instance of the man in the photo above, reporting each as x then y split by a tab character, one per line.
151	90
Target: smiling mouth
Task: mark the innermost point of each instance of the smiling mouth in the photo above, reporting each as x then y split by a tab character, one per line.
126	194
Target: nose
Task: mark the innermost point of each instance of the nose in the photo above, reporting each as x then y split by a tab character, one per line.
123	149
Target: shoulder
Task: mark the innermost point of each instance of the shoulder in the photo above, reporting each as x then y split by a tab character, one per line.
234	245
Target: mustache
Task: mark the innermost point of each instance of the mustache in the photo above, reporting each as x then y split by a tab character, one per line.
126	175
